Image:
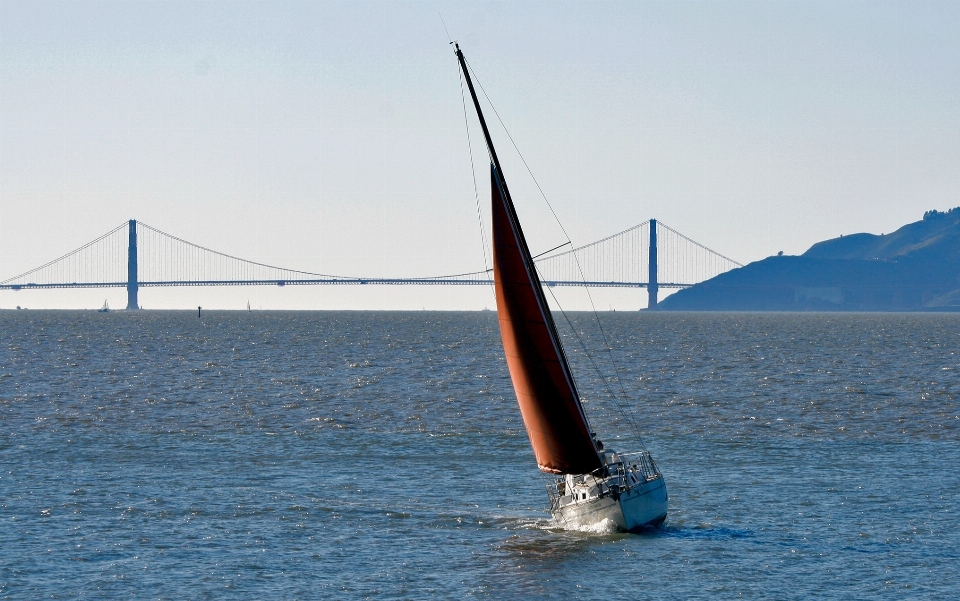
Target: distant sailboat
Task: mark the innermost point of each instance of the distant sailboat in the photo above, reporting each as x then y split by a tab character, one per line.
248	306
592	486
105	308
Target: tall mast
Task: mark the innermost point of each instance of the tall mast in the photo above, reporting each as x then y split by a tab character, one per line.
545	388
483	122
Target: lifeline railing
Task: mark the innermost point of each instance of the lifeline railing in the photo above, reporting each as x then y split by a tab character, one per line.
644	463
615	479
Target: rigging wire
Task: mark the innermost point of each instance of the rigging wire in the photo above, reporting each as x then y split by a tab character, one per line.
551	250
490	102
473	173
596	316
445	26
628	417
473	168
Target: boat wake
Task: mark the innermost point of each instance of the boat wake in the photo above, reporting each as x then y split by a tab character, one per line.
605	526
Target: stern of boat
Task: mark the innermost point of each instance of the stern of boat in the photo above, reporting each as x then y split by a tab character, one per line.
629	491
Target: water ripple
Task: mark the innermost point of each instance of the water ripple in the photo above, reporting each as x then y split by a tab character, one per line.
381	455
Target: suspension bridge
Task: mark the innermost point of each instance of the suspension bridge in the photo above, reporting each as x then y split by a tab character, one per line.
135	255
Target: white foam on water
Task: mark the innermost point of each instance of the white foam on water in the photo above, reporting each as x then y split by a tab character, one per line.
536	523
604	526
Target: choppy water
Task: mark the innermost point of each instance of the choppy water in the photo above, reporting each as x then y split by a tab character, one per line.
381	455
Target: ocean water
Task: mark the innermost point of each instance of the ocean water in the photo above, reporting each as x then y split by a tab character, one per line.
360	455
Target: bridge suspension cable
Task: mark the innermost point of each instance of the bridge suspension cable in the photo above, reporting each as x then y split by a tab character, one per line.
134	257
165	258
99	263
624	259
687	261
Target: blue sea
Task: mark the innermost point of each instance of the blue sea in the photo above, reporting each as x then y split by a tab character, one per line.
355	455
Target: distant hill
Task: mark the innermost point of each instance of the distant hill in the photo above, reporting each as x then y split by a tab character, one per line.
915	268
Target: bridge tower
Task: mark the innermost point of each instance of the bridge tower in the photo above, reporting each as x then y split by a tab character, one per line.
652	280
132	284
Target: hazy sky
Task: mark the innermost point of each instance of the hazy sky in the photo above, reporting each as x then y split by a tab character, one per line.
329	137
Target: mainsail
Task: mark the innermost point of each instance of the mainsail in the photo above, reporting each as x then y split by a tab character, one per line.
544	386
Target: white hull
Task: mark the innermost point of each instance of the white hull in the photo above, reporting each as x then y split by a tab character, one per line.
642	506
628	494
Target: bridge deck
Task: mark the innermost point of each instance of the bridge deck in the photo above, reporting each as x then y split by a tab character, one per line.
332	281
135	255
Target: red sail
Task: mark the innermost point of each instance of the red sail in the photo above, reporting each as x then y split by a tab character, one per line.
545	390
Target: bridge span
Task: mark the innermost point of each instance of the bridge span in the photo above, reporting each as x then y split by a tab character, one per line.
135	255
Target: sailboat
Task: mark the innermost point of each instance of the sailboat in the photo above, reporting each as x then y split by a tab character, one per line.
589	486
105	308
